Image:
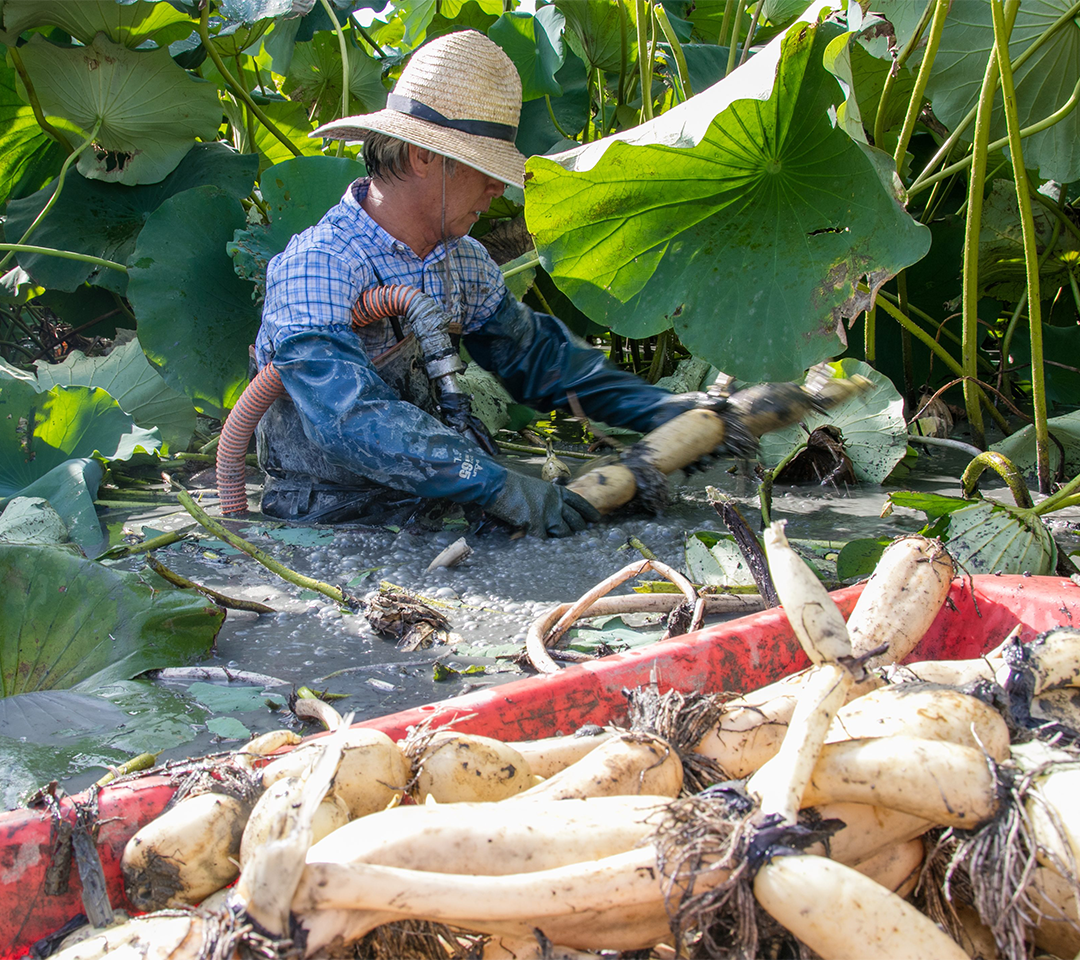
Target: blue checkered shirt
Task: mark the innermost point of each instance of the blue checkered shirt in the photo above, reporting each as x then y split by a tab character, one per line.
314	282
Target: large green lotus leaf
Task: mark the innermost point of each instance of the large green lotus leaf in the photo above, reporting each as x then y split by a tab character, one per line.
875	433
26	147
1020	446
537	134
526	42
594	33
129	24
743	218
127	376
104	219
41	430
151	110
1002	273
196	317
991	538
296	193
1043	84
291	119
314	79
71	489
65	620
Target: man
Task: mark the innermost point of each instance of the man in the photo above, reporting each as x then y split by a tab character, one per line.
356	438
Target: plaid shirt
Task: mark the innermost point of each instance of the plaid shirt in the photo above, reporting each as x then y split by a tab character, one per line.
315	281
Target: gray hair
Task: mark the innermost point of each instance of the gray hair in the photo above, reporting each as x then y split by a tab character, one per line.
386	157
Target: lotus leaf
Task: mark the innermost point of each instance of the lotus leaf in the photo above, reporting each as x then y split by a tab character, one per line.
32	520
196	317
70	489
742	208
130	24
296	193
151	111
873	425
113	627
314	79
1043	84
252	11
525	41
29	154
41	430
537	134
716	561
133	383
1020	446
292	121
594	31
984	536
104	219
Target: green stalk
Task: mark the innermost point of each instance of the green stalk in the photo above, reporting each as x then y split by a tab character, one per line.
218	530
972	226
644	63
733	45
522	267
555	123
937	25
1058	214
943	151
890	77
906	351
676	49
64	254
345	74
729	8
1027	224
35	105
68	161
239	92
1004	468
750	33
1065	497
624	53
1058	115
870	334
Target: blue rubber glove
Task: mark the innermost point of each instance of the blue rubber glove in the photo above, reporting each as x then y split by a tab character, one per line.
542	508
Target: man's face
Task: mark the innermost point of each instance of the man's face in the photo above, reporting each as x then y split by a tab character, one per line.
468	194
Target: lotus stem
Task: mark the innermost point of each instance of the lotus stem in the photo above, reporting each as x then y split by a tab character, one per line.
1027	223
230	603
937	25
154	543
750	33
68	161
1065	497
237	90
1004	468
870	335
65	254
337	594
345	74
35	104
730	17
644	63
676	49
890	77
144	761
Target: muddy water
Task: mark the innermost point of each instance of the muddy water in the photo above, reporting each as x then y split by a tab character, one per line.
489	599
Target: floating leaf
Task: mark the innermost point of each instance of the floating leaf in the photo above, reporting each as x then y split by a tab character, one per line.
41	430
875	433
691	220
151	110
1020	446
66	621
1043	84
228	728
715	561
32	520
127	376
229	698
104	219
196	317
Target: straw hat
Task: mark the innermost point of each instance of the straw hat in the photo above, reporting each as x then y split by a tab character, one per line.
460	96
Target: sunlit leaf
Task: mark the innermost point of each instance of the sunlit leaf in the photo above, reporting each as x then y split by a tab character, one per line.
127	376
872	423
40	431
594	31
314	79
1043	84
129	24
28	152
196	317
151	111
716	561
743	208
104	219
66	621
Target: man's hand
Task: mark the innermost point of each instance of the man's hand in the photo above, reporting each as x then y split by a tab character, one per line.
542	508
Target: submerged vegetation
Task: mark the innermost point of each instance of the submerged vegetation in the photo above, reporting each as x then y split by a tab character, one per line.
713	185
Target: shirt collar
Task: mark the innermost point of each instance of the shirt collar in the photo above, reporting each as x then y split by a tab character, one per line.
353	198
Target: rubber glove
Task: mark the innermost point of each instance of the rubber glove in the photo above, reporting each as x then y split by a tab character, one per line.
541	507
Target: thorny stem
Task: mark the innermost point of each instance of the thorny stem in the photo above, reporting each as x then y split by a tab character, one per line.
68	161
337	594
237	90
